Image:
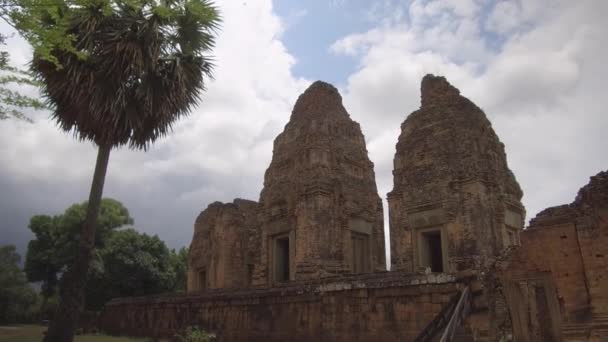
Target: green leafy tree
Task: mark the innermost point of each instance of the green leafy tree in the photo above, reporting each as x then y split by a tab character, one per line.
16	296
116	72
13	102
46	254
55	245
131	264
179	263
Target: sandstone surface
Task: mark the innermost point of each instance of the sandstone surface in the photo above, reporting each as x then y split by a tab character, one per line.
320	194
452	186
221	252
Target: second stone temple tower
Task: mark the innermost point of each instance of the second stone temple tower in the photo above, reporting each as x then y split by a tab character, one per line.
454	202
320	213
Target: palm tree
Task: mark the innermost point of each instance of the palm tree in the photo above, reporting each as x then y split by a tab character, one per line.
132	68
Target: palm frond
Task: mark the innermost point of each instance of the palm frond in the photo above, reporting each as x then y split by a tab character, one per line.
141	72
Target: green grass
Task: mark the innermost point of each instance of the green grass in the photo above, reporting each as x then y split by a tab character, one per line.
33	333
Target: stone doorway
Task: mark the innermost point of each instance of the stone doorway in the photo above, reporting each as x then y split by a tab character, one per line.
360	256
533	306
281	259
202	279
431	251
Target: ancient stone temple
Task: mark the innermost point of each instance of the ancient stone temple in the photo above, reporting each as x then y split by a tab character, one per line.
306	262
320	213
455	202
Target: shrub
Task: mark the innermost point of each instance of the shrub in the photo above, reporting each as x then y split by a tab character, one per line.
195	334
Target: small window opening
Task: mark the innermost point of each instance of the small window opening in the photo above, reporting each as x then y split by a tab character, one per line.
431	252
281	259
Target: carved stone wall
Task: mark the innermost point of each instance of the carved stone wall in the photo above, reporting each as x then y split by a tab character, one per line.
223	247
320	195
451	179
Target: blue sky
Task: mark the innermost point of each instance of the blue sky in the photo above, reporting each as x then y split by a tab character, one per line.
313	26
536	67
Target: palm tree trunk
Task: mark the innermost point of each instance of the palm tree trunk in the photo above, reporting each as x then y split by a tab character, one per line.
45	300
71	298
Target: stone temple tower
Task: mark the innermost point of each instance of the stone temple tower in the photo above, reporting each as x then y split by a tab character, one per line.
319	211
455	201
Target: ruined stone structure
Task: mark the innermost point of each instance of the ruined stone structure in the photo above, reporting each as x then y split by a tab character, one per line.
221	254
455	202
306	262
556	283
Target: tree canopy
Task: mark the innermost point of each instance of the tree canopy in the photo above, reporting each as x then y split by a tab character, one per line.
179	262
131	264
56	240
16	296
13	102
125	262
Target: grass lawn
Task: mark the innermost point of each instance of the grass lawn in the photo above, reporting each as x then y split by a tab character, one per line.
33	333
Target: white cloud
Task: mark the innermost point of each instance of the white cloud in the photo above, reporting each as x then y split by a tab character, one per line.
505	17
218	153
541	88
535	66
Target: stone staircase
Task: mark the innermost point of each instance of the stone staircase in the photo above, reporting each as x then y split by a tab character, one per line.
600	327
449	325
600	321
575	332
475	328
475	325
464	334
434	330
594	330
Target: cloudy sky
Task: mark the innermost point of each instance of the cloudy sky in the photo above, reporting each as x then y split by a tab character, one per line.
537	68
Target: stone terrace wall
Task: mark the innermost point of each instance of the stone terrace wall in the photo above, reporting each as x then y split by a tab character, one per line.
390	306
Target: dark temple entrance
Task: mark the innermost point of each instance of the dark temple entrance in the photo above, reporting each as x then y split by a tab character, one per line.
432	253
281	259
